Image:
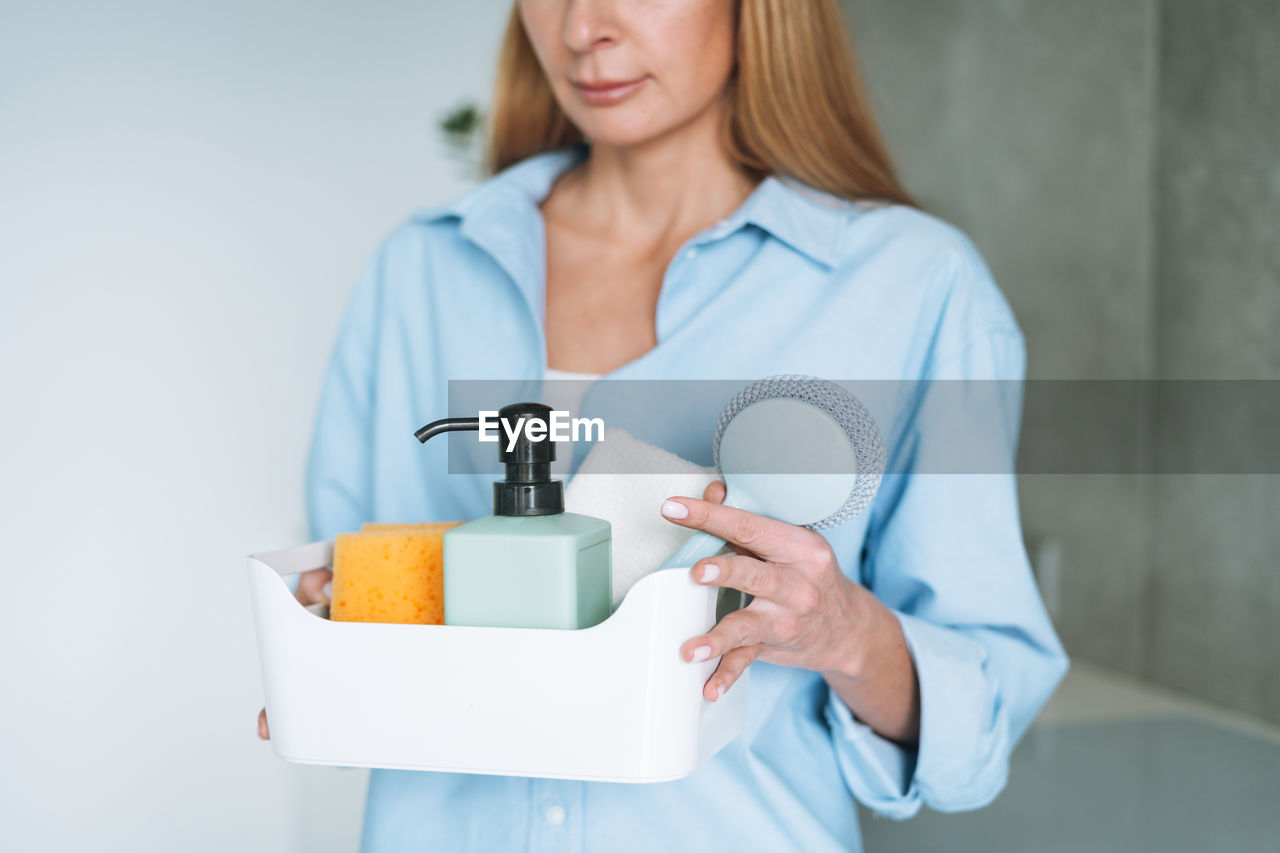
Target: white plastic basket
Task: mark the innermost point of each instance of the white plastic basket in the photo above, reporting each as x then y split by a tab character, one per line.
614	702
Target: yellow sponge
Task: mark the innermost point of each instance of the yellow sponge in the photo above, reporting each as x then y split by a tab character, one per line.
426	526
390	573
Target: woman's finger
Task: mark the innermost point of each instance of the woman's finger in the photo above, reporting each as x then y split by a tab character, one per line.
263	732
715	492
773	540
744	627
749	574
312	587
731	667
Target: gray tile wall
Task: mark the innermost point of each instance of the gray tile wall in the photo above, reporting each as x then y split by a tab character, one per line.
1118	165
1214	582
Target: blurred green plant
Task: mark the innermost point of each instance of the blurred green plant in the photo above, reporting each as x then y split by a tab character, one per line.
461	128
460	124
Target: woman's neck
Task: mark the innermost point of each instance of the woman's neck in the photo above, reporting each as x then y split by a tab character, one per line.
675	185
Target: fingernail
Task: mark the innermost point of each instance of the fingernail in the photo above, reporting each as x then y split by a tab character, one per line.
719	692
328	589
672	509
702	653
710	572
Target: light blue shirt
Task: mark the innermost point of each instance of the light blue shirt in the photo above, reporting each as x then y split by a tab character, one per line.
793	281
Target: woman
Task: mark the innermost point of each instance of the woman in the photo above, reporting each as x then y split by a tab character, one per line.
696	189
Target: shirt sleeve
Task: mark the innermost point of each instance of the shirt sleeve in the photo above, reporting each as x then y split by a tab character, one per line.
338	472
945	553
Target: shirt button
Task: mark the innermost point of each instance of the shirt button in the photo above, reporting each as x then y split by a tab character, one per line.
555	815
690	254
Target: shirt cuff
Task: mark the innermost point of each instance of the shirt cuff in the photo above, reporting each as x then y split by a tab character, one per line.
963	753
879	772
961	761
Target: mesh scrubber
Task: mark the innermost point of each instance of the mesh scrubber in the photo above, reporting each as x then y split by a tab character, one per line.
795	413
847	411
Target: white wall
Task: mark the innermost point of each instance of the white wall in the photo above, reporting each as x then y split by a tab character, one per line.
187	194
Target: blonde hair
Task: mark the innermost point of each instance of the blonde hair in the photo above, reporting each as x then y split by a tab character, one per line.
797	104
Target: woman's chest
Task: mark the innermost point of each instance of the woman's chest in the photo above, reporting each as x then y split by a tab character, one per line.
739	307
600	301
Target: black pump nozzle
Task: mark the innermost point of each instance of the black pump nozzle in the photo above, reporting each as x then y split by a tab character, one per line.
446	425
528	488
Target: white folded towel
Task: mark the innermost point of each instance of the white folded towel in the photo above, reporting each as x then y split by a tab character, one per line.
642	538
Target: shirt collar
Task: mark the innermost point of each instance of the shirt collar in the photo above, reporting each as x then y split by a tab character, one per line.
524	184
808	221
501	215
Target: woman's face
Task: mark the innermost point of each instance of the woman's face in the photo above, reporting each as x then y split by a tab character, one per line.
629	71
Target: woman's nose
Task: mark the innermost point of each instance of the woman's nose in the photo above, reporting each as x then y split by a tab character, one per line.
590	23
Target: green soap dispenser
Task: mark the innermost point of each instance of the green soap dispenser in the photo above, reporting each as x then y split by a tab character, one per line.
530	564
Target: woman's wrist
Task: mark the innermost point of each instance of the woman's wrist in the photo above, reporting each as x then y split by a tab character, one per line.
872	671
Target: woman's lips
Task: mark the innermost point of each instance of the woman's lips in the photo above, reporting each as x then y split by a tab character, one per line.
605	92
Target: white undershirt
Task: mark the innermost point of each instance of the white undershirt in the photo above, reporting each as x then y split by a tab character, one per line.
567	397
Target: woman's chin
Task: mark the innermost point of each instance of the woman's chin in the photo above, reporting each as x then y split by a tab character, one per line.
620	130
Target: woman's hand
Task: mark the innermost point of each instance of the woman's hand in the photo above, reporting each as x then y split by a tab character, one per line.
805	613
313	588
